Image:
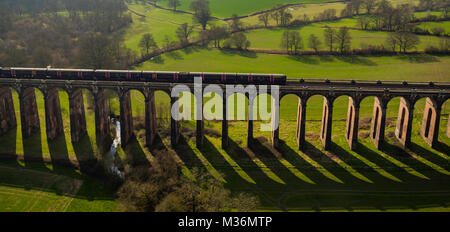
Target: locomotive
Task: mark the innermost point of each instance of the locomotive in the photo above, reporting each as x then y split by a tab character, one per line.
142	76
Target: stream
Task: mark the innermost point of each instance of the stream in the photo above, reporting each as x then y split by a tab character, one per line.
111	155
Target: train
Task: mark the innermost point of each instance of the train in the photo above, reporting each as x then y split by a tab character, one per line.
142	76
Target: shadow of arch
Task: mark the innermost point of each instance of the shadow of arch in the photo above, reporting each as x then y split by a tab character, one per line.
58	147
135	149
237	115
33	146
262	115
85	149
11	140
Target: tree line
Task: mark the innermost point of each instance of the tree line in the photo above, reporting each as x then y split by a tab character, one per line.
75	33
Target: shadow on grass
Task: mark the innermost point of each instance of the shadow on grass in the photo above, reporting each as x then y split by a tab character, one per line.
305	59
442	147
209	151
157	60
32	150
8	145
419	58
243	53
326	58
58	152
431	156
356	60
190	50
135	153
85	154
187	155
176	55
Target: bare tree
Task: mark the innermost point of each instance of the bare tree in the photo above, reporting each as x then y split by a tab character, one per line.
291	41
264	18
174	4
183	32
343	39
403	40
369	5
314	42
330	37
147	42
276	16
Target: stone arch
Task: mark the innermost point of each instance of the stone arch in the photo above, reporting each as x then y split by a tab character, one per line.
266	115
288	117
431	118
399	115
325	119
238	110
29	113
9	121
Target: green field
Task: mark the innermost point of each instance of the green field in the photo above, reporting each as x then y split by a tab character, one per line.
412	68
270	38
30	187
227	8
430	25
240	7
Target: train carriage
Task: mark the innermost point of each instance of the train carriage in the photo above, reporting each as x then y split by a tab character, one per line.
70	74
159	76
143	76
28	72
5	72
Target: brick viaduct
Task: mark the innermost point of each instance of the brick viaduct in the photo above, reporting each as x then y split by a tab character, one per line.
435	93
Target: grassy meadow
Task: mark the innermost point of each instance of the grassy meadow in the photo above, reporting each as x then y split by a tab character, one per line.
270	39
412	68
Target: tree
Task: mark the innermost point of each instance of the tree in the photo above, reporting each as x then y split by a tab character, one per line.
369	5
202	13
438	31
147	42
391	42
347	11
444	44
330	37
291	41
205	195
285	16
218	33
174	4
356	4
264	18
403	40
96	51
314	42
276	16
364	21
343	39
183	32
407	40
236	23
238	40
163	188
